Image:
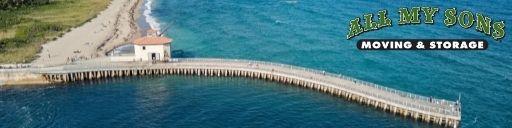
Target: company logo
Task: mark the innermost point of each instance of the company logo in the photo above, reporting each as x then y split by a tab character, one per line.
415	15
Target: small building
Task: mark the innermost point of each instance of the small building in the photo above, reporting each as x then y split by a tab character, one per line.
149	48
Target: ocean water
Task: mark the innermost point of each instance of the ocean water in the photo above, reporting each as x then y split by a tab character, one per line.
184	101
308	33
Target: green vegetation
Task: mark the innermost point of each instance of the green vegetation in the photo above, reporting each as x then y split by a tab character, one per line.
27	24
11	4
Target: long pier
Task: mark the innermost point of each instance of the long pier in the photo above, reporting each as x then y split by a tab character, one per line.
437	111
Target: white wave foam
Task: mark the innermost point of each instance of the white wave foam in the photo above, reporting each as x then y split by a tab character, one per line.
150	19
291	1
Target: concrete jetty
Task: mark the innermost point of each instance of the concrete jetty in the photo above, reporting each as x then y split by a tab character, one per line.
437	111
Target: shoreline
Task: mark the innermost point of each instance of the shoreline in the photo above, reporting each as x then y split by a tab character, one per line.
148	18
112	27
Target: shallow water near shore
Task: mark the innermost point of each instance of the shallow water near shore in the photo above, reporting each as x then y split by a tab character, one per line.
304	33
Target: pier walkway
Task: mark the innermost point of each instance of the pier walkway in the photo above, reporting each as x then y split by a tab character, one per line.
437	111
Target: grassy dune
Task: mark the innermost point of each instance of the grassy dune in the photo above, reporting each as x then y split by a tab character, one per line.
23	30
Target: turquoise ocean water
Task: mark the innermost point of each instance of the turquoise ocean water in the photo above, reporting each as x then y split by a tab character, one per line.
308	33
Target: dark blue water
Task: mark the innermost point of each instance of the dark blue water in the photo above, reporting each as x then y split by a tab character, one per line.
305	33
184	101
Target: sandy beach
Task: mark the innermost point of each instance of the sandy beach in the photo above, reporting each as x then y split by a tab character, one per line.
112	27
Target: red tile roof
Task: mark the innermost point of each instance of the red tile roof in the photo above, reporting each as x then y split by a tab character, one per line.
152	40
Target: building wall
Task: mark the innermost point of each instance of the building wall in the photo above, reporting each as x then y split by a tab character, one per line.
168	51
145	54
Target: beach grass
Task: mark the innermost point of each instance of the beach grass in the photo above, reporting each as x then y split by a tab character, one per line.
24	29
